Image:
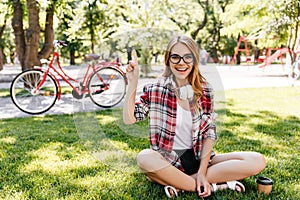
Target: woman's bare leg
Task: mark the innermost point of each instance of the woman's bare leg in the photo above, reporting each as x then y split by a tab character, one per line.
235	166
224	167
161	171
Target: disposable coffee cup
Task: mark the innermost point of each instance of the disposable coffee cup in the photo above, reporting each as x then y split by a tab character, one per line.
264	185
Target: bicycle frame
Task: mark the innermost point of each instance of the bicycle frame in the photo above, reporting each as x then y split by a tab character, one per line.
61	73
35	91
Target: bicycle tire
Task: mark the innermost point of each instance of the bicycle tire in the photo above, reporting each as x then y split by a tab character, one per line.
107	87
25	96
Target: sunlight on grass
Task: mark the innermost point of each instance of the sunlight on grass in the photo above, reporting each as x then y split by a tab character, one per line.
4	92
54	159
121	145
93	155
279	100
16	195
5	144
104	120
8	140
42	119
96	180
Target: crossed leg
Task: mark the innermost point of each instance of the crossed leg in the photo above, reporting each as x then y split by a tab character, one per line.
158	170
235	166
224	167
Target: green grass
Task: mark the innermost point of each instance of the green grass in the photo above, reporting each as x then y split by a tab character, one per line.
4	92
92	155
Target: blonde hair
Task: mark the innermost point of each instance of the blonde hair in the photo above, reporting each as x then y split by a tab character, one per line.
195	78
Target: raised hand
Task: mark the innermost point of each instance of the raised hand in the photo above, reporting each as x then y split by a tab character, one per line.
133	68
132	73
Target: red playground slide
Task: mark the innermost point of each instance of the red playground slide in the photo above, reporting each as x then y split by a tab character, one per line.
270	59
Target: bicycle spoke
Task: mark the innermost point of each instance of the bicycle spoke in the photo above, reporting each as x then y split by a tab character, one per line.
107	87
31	97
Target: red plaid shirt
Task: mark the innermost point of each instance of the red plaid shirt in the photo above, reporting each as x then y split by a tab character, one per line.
158	102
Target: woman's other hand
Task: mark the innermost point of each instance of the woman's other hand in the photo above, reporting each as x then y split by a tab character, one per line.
203	186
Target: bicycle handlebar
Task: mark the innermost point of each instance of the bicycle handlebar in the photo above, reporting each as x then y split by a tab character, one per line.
59	43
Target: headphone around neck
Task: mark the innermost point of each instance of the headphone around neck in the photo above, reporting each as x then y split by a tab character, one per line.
185	92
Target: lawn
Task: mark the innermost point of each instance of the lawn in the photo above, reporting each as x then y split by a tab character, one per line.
92	155
4	92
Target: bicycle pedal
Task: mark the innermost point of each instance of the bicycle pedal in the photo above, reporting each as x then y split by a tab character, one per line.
76	95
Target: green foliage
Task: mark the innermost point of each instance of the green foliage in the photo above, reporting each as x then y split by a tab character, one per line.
186	15
6	41
92	155
288	18
268	21
227	45
68	29
96	25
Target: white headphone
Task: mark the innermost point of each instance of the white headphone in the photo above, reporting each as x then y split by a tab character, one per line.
186	92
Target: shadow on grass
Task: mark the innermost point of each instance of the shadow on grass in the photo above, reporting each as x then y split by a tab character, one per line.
50	158
276	137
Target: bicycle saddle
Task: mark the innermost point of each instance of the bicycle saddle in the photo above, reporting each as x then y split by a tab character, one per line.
90	57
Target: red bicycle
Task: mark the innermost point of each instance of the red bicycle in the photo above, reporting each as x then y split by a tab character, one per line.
36	90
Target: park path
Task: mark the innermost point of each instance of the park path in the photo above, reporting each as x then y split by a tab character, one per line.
222	78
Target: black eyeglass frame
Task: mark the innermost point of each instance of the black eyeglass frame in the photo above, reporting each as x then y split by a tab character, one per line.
181	58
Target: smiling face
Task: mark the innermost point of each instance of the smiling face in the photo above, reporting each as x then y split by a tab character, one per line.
182	69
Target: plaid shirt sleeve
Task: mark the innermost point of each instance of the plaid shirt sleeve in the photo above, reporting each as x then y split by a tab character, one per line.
142	107
207	125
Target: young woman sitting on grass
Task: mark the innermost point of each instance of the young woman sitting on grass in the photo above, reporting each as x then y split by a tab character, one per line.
182	129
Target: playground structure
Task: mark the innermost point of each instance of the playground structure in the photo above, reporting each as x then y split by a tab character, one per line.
265	60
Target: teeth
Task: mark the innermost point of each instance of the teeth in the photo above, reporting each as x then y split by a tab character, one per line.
181	69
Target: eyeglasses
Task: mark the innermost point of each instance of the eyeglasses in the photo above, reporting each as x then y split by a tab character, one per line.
187	58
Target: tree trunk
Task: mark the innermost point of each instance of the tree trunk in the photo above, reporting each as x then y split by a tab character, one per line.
2	62
17	24
49	33
1	59
32	35
72	57
238	58
204	5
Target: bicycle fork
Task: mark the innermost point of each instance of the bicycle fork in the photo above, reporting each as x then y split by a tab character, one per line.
48	93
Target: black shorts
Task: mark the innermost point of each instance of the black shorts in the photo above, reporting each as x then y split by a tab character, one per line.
188	160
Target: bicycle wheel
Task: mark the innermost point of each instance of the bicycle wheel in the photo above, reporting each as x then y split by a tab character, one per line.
107	87
29	96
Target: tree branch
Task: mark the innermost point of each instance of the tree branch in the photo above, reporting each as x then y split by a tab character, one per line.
204	5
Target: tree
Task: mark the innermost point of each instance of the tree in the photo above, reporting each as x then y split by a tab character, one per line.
189	16
87	25
2	28
147	42
201	25
32	35
211	34
93	19
4	15
17	24
28	44
204	26
49	33
288	19
273	23
143	25
90	26
69	29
